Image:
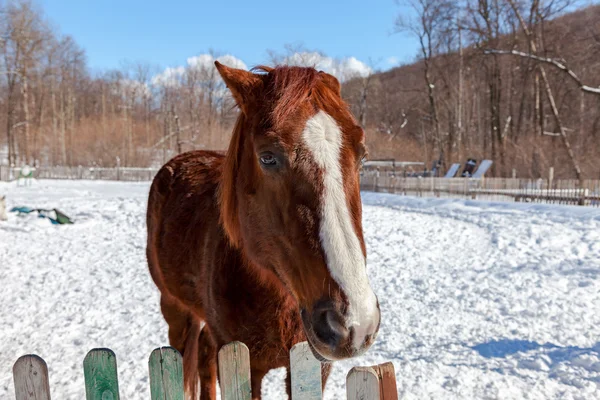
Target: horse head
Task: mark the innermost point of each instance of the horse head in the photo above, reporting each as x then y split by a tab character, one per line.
290	200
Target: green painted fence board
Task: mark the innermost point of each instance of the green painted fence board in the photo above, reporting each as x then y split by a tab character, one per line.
305	373
234	372
166	374
100	372
30	374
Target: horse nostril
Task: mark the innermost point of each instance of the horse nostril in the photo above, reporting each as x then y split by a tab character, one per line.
329	328
369	339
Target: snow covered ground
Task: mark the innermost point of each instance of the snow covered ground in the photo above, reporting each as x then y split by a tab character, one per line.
479	300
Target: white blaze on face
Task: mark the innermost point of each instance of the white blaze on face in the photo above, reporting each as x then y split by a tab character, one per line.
343	253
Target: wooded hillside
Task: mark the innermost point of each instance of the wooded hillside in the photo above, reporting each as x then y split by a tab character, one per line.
464	97
472	101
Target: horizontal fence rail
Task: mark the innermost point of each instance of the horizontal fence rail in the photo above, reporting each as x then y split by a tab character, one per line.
383	179
570	192
88	173
165	364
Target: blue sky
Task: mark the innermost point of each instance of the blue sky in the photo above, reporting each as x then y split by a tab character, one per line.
165	33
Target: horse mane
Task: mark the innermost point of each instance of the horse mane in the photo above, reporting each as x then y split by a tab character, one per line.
226	192
285	88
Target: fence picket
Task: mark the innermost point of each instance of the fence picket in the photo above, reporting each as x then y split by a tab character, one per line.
234	372
305	373
387	381
100	372
362	383
30	375
166	374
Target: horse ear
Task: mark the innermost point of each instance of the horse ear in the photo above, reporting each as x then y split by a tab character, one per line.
241	83
331	82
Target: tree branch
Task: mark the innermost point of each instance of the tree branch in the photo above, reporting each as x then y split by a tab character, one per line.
557	64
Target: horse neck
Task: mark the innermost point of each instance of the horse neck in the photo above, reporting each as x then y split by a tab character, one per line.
229	212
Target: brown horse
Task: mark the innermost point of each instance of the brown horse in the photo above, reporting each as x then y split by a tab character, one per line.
264	244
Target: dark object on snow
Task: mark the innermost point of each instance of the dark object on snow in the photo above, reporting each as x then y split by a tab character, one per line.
435	168
469	168
60	219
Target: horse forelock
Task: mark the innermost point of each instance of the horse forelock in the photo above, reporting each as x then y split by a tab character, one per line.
284	90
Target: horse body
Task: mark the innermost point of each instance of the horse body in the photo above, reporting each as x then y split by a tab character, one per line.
210	281
264	245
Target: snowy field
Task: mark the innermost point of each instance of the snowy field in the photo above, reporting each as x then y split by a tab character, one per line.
479	300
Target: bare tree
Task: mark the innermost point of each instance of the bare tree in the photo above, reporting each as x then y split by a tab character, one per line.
561	65
433	19
542	13
24	36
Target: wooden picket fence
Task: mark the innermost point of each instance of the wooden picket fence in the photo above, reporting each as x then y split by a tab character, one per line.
547	191
88	173
30	374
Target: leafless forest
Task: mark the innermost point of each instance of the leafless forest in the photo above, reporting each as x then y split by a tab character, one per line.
513	81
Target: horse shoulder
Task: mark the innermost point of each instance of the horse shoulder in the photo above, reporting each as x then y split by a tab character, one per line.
183	222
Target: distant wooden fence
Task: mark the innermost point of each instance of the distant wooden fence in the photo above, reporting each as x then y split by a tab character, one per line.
388	180
166	376
586	193
90	173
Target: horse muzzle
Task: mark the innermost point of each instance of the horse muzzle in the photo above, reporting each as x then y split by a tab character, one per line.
333	336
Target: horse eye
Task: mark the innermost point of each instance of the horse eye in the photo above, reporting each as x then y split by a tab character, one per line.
268	159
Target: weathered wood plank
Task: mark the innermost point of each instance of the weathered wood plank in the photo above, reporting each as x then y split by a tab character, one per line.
30	375
362	383
166	374
387	381
234	372
305	373
100	372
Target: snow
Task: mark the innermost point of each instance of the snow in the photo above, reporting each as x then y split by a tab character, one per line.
479	300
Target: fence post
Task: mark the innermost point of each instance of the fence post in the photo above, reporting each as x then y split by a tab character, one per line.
30	374
234	372
100	373
376	382
166	374
305	373
583	201
362	383
387	381
550	178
